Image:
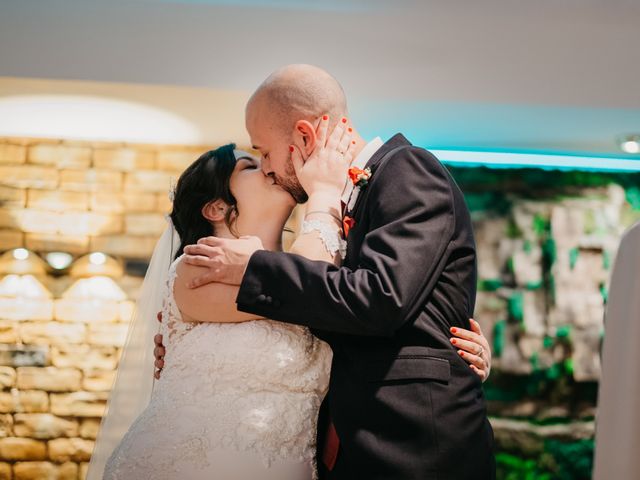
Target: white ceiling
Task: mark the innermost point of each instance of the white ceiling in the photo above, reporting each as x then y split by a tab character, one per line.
560	75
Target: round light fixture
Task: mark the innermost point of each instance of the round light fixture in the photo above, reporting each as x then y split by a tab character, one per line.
59	260
97	258
630	144
21	254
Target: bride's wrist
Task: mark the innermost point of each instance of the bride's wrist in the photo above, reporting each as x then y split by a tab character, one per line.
325	202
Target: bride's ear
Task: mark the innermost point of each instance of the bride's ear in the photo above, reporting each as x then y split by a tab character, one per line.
305	137
215	210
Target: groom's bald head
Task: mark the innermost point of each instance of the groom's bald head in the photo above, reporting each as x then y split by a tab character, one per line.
298	92
284	111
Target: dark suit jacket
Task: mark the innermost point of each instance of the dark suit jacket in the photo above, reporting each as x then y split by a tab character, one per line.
404	404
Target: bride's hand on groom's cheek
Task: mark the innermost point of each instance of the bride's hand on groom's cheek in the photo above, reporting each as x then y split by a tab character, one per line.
224	259
474	348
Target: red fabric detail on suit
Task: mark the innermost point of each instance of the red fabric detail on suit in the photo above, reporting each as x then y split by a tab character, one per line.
331	447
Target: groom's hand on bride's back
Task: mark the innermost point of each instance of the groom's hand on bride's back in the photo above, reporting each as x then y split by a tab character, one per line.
223	260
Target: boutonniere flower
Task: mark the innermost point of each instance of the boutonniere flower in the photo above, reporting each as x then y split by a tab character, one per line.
359	177
347	224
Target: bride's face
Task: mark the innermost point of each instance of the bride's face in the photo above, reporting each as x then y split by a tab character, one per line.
254	191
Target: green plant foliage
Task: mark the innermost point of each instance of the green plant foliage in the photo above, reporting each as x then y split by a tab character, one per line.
574	253
633	197
499	332
515	306
489	285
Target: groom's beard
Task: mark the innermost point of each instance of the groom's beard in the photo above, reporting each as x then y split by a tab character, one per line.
290	184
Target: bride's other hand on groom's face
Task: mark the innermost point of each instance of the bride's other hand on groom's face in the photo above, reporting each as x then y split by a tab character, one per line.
223	260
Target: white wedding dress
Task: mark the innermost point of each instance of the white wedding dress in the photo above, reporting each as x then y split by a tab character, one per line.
236	401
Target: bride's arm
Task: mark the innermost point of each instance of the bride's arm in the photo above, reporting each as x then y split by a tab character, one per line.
214	302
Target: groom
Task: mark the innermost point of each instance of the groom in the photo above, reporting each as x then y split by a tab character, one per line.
401	404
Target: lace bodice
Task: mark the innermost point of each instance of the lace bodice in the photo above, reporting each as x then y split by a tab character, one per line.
253	387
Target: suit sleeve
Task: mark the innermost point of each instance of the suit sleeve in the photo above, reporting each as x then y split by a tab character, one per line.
411	224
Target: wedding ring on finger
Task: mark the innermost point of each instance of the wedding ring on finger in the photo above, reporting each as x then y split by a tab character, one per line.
481	351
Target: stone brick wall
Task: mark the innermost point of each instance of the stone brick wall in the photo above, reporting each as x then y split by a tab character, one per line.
58	356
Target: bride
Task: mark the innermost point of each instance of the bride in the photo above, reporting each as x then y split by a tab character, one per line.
239	395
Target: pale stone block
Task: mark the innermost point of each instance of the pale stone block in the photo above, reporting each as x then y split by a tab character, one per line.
14	449
164	205
10	153
150	181
58	200
7	377
10	239
90	180
50	379
29	220
89	223
5	471
8	332
45	471
29	401
98	380
28	176
19	308
178	159
43	426
13	197
89	310
39	242
125	245
79	404
107	334
122	202
145	224
6	425
23	355
89	428
52	333
84	357
125	159
60	156
70	449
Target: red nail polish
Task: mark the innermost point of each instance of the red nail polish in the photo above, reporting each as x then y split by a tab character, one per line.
291	148
344	120
325	117
353	141
454	341
350	129
461	353
454	330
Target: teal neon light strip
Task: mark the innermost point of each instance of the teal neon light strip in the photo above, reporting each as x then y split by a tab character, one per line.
534	160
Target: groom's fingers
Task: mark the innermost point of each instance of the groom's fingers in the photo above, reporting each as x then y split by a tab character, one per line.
211	241
204	279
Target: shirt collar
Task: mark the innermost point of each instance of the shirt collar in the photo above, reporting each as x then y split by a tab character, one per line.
360	161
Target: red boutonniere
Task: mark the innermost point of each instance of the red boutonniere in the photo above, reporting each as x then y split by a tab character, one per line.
347	224
359	177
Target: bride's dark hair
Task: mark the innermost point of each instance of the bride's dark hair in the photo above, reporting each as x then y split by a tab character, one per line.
204	181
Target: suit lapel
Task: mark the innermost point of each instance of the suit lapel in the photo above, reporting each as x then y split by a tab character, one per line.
396	141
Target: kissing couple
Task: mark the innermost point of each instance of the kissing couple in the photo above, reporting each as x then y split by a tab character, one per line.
334	360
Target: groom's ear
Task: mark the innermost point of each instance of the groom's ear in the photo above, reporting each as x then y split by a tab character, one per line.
305	137
215	210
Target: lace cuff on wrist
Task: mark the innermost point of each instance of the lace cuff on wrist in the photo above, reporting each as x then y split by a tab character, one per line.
330	236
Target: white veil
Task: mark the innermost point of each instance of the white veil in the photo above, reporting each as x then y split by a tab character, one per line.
134	380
